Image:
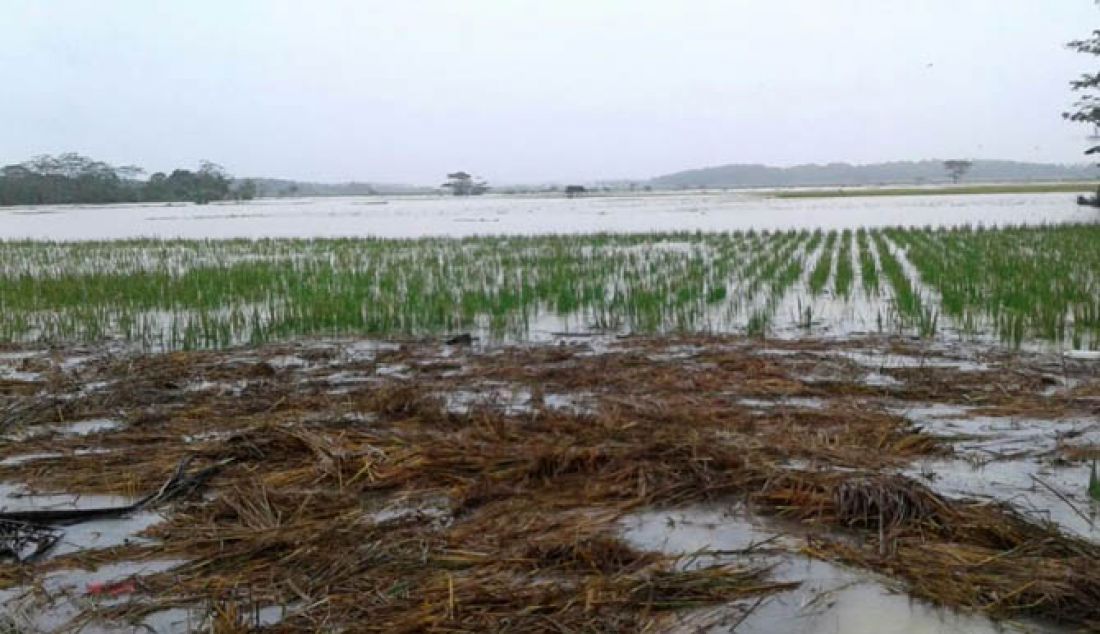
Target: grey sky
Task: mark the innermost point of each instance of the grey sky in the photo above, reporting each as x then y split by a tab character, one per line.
390	90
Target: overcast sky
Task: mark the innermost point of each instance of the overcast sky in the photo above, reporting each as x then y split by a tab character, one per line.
518	91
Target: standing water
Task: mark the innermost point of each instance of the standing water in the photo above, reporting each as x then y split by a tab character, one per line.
420	216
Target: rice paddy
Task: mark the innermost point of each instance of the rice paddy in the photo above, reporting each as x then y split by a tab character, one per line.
357	463
1020	285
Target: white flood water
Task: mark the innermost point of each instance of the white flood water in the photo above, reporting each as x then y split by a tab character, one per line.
418	216
1012	460
831	599
98	533
57	600
62	596
78	428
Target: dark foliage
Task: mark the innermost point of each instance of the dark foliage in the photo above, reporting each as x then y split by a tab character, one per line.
71	178
1087	107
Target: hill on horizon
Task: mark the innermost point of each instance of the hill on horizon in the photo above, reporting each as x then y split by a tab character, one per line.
891	173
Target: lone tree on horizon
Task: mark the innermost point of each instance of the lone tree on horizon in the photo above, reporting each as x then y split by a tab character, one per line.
463	184
956	168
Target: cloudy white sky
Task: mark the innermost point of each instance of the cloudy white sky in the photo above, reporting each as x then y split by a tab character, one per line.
522	91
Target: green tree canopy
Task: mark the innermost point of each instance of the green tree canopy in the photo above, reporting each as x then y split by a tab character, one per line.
1087	107
72	178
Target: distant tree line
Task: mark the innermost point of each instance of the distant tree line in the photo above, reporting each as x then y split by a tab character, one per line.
275	187
72	178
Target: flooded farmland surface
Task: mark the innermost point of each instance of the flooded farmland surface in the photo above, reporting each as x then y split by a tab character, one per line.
726	412
675	483
434	216
1024	286
830	598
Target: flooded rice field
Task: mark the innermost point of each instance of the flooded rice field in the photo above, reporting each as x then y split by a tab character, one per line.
439	216
601	483
1033	286
677	412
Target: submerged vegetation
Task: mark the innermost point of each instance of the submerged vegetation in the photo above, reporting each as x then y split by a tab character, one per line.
1018	284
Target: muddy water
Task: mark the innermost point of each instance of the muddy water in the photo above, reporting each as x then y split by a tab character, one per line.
63	595
1013	460
99	533
57	600
410	217
831	599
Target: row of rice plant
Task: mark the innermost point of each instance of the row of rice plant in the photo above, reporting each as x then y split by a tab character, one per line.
1017	283
1020	284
